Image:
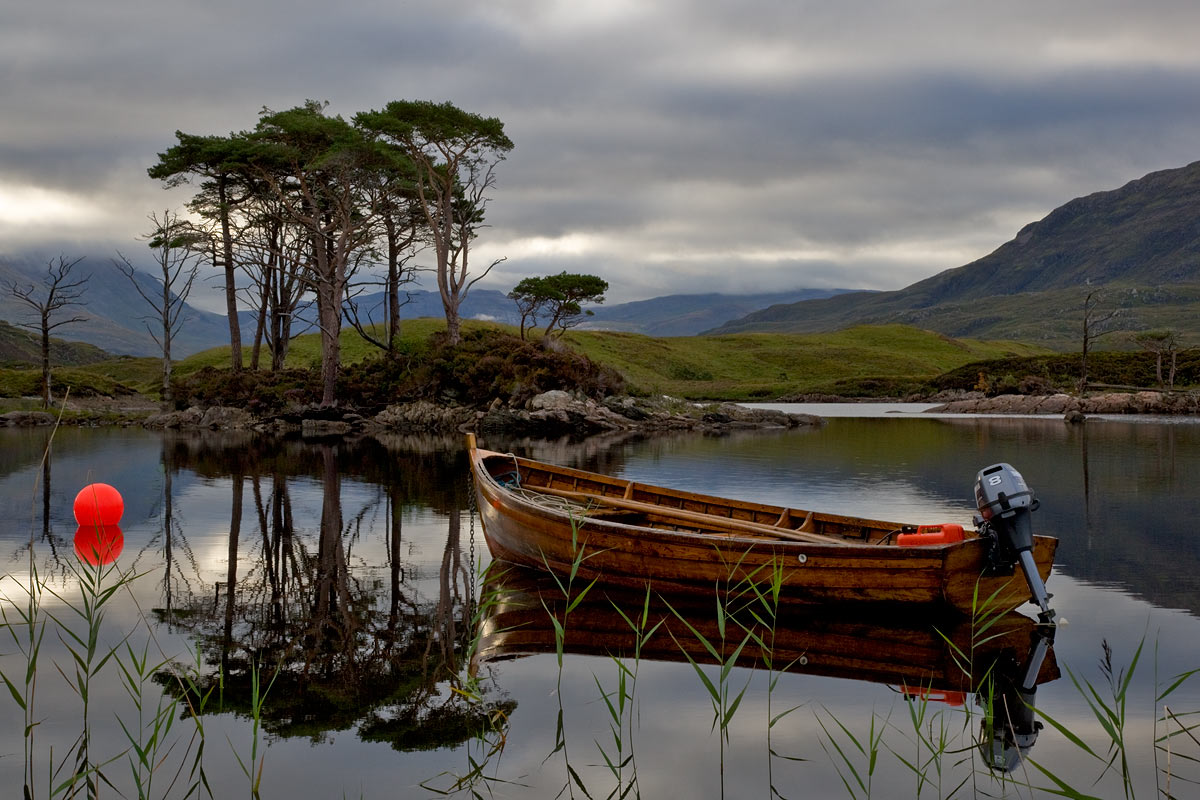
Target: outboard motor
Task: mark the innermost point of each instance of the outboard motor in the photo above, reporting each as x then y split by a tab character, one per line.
1006	504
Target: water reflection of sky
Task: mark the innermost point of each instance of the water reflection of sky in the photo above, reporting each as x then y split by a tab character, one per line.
675	706
901	410
1124	540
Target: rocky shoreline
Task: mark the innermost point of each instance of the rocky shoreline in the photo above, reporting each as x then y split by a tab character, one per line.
553	413
559	413
1071	406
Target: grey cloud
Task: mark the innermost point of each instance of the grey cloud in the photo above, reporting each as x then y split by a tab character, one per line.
867	144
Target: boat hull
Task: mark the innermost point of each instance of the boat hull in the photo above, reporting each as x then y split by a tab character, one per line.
615	552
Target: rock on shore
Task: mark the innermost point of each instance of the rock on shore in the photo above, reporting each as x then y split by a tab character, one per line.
550	414
1111	403
561	412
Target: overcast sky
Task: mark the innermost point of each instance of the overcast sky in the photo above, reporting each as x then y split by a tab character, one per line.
669	146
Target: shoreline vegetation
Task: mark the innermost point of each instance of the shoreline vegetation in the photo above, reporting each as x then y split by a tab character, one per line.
592	382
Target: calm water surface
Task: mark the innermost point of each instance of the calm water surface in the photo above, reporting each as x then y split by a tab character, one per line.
355	565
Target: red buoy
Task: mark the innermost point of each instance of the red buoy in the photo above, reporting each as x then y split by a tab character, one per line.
98	544
98	504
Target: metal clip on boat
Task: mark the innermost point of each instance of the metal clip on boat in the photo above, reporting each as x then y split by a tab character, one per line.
1007	504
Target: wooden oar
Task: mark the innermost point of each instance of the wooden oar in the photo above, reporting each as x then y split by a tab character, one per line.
696	517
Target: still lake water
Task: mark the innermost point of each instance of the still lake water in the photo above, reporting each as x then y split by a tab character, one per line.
356	564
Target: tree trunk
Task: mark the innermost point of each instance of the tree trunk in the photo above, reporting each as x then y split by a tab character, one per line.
235	328
330	289
45	361
331	348
165	307
167	397
393	286
279	339
1083	365
447	266
453	324
256	352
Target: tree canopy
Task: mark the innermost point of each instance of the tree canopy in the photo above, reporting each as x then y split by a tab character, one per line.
558	299
308	199
454	154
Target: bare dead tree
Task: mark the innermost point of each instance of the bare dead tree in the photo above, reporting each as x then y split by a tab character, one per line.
57	292
178	246
1161	344
275	255
1097	321
403	235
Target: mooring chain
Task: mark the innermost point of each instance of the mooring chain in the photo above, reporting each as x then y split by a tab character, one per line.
471	509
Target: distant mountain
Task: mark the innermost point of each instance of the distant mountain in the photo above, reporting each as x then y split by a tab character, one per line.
486	304
115	315
690	314
670	315
1140	243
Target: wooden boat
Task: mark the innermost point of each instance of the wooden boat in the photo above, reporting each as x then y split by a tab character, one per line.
625	533
935	656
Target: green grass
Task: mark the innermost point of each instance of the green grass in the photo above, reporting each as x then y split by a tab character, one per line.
759	365
305	351
82	381
888	360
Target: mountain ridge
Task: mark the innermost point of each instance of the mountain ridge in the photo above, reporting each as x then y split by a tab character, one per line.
1140	243
115	316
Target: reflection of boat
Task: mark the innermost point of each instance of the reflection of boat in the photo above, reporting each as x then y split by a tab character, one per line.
937	658
628	533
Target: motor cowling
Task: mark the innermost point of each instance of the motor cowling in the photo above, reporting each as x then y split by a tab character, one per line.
1001	494
1006	504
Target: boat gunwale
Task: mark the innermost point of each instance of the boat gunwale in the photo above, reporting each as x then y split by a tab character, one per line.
836	545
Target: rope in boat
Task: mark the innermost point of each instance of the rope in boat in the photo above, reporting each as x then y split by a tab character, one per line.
551	501
512	482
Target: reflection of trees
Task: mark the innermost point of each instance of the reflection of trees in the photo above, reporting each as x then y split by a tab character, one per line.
47	533
54	542
344	649
180	569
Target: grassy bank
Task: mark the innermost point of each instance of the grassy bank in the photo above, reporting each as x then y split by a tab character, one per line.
866	361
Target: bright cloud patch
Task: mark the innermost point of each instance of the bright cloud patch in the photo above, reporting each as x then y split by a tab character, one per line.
30	205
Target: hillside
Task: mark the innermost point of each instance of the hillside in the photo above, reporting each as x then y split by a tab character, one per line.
115	315
20	346
1140	243
863	361
690	314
